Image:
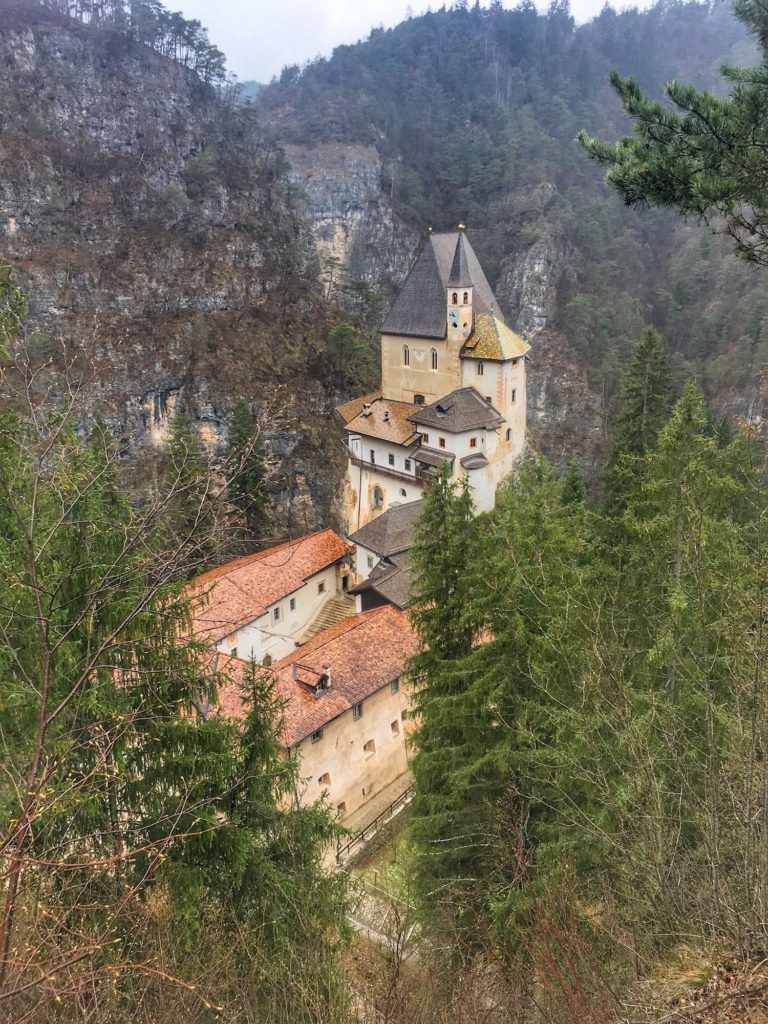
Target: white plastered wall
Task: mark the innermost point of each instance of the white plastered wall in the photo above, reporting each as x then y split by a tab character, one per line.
277	637
357	776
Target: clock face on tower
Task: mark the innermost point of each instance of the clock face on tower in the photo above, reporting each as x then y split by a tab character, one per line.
453	316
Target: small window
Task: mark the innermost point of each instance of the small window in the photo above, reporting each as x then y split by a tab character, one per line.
473	442
266	661
425	438
404	716
357	711
395	727
455	298
441	442
369	748
434	358
403	493
292	604
514	394
276	614
466	298
317	736
407	465
391	459
406	356
341	809
480	370
325	780
418	399
321	587
489	400
373	457
509	433
394	686
370	561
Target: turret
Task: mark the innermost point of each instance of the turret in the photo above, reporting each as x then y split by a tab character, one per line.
459	293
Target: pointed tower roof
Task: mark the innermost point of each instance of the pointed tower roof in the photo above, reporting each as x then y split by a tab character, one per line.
460	276
419	311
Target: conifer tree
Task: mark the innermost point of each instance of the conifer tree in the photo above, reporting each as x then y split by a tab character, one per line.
645	397
707	158
245	460
189	523
444	614
574	491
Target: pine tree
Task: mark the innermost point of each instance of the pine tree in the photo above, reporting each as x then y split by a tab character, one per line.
444	614
245	459
705	161
189	523
645	397
574	491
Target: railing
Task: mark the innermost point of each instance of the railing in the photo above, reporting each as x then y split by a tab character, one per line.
384	470
372	827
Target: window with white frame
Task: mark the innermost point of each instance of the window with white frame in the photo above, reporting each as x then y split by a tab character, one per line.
276	614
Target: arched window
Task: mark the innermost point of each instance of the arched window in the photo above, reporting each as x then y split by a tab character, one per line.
378	497
406	356
466	298
434	358
509	434
455	298
403	493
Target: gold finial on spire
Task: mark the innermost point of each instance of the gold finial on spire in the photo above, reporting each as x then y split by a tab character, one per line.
429	230
461	227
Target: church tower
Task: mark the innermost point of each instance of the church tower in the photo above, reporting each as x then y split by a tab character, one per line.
452	388
459	293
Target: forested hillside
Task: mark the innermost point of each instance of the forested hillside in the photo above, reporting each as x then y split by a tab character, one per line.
474	113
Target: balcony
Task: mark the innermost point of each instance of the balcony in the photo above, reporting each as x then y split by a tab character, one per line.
396	474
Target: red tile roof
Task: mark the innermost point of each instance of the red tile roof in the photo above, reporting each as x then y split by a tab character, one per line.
235	594
364	652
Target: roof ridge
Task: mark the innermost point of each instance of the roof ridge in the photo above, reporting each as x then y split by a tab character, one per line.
351	622
237	563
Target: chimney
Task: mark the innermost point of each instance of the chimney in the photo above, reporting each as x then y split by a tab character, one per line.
294	671
386	415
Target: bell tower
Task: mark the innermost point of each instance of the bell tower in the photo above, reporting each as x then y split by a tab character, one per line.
459	293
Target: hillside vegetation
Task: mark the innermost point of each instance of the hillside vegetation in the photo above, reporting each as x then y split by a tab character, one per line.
475	111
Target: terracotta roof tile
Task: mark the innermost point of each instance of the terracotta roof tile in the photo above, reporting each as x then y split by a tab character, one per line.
492	339
364	652
387	420
349	410
237	593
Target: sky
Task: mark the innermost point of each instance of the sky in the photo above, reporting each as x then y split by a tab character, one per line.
259	37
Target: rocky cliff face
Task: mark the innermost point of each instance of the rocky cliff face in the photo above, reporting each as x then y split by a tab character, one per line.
352	220
155	228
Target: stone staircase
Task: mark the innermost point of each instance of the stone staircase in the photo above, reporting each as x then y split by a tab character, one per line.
332	612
